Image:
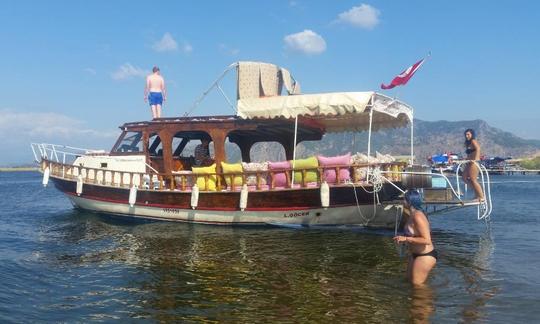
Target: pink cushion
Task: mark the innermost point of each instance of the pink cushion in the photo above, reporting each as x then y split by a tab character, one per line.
329	164
254	188
280	178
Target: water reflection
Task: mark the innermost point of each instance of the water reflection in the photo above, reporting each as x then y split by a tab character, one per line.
179	272
468	278
422	304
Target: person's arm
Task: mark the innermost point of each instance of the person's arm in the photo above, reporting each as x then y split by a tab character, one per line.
422	226
146	89
476	147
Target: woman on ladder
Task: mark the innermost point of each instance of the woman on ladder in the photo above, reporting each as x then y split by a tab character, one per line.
470	171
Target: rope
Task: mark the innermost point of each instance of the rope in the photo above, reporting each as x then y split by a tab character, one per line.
364	218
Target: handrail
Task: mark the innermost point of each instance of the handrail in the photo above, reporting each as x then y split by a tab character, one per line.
91	175
183	181
47	151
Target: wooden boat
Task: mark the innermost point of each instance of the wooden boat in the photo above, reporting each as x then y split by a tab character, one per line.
150	172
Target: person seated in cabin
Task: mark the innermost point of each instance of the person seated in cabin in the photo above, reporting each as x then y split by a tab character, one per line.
202	154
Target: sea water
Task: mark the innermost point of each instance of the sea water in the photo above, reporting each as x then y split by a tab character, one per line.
60	264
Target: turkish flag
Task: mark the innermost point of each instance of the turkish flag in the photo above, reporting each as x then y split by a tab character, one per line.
404	76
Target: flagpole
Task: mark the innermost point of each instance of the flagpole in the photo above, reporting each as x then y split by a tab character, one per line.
412	137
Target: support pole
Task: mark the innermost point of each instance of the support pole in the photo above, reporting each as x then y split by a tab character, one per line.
294	148
369	135
412	141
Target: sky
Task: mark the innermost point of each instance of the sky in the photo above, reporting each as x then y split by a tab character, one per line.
73	71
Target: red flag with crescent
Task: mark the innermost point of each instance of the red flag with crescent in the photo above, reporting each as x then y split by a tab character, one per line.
404	76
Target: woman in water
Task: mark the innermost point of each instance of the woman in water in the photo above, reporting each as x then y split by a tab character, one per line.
470	171
417	234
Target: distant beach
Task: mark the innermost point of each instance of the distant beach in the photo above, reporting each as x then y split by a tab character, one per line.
16	169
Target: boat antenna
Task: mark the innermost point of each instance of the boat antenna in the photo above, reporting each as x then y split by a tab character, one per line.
215	84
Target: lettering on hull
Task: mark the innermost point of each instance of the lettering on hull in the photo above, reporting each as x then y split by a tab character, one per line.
171	211
296	214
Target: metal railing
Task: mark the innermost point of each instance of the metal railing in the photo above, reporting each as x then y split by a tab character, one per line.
58	153
223	181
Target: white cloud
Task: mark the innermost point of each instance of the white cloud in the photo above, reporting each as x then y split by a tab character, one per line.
90	71
224	48
166	44
128	71
45	126
363	16
307	42
19	129
187	48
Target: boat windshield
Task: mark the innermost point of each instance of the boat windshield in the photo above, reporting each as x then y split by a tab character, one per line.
131	142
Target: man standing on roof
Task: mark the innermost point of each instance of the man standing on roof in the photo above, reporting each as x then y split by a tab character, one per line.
155	92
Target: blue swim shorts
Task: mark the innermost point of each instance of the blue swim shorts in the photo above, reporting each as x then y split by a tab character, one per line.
155	98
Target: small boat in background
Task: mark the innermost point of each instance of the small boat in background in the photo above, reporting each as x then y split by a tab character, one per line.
445	162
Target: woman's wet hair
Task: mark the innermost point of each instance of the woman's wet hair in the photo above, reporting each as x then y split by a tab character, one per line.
473	135
414	198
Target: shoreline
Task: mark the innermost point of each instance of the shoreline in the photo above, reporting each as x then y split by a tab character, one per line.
18	169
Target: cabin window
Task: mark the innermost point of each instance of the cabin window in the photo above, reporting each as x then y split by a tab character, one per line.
155	146
189	150
131	142
232	152
183	149
267	151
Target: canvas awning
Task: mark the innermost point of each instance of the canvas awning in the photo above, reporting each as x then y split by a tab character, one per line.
336	112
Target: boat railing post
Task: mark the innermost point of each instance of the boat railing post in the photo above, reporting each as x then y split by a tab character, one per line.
271	173
258	180
34	152
183	179
218	181
171	181
55	154
160	179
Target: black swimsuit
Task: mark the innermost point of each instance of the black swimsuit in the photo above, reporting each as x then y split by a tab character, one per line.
432	253
469	150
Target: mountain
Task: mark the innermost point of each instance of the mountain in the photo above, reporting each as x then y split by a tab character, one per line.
430	137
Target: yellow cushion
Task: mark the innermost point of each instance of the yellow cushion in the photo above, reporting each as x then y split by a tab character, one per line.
236	169
212	179
311	175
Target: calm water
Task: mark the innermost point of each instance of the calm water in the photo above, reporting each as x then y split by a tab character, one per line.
58	264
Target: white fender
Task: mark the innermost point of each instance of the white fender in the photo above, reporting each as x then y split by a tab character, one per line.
194	196
132	195
46	174
243	197
325	195
79	185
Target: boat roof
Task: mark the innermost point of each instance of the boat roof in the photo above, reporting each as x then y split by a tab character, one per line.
196	127
335	112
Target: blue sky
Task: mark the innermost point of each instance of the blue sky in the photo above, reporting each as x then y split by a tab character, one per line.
73	71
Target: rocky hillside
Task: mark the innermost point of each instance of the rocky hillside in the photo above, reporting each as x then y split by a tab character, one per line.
430	137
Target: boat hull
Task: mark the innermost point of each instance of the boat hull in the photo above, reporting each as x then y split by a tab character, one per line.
294	206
